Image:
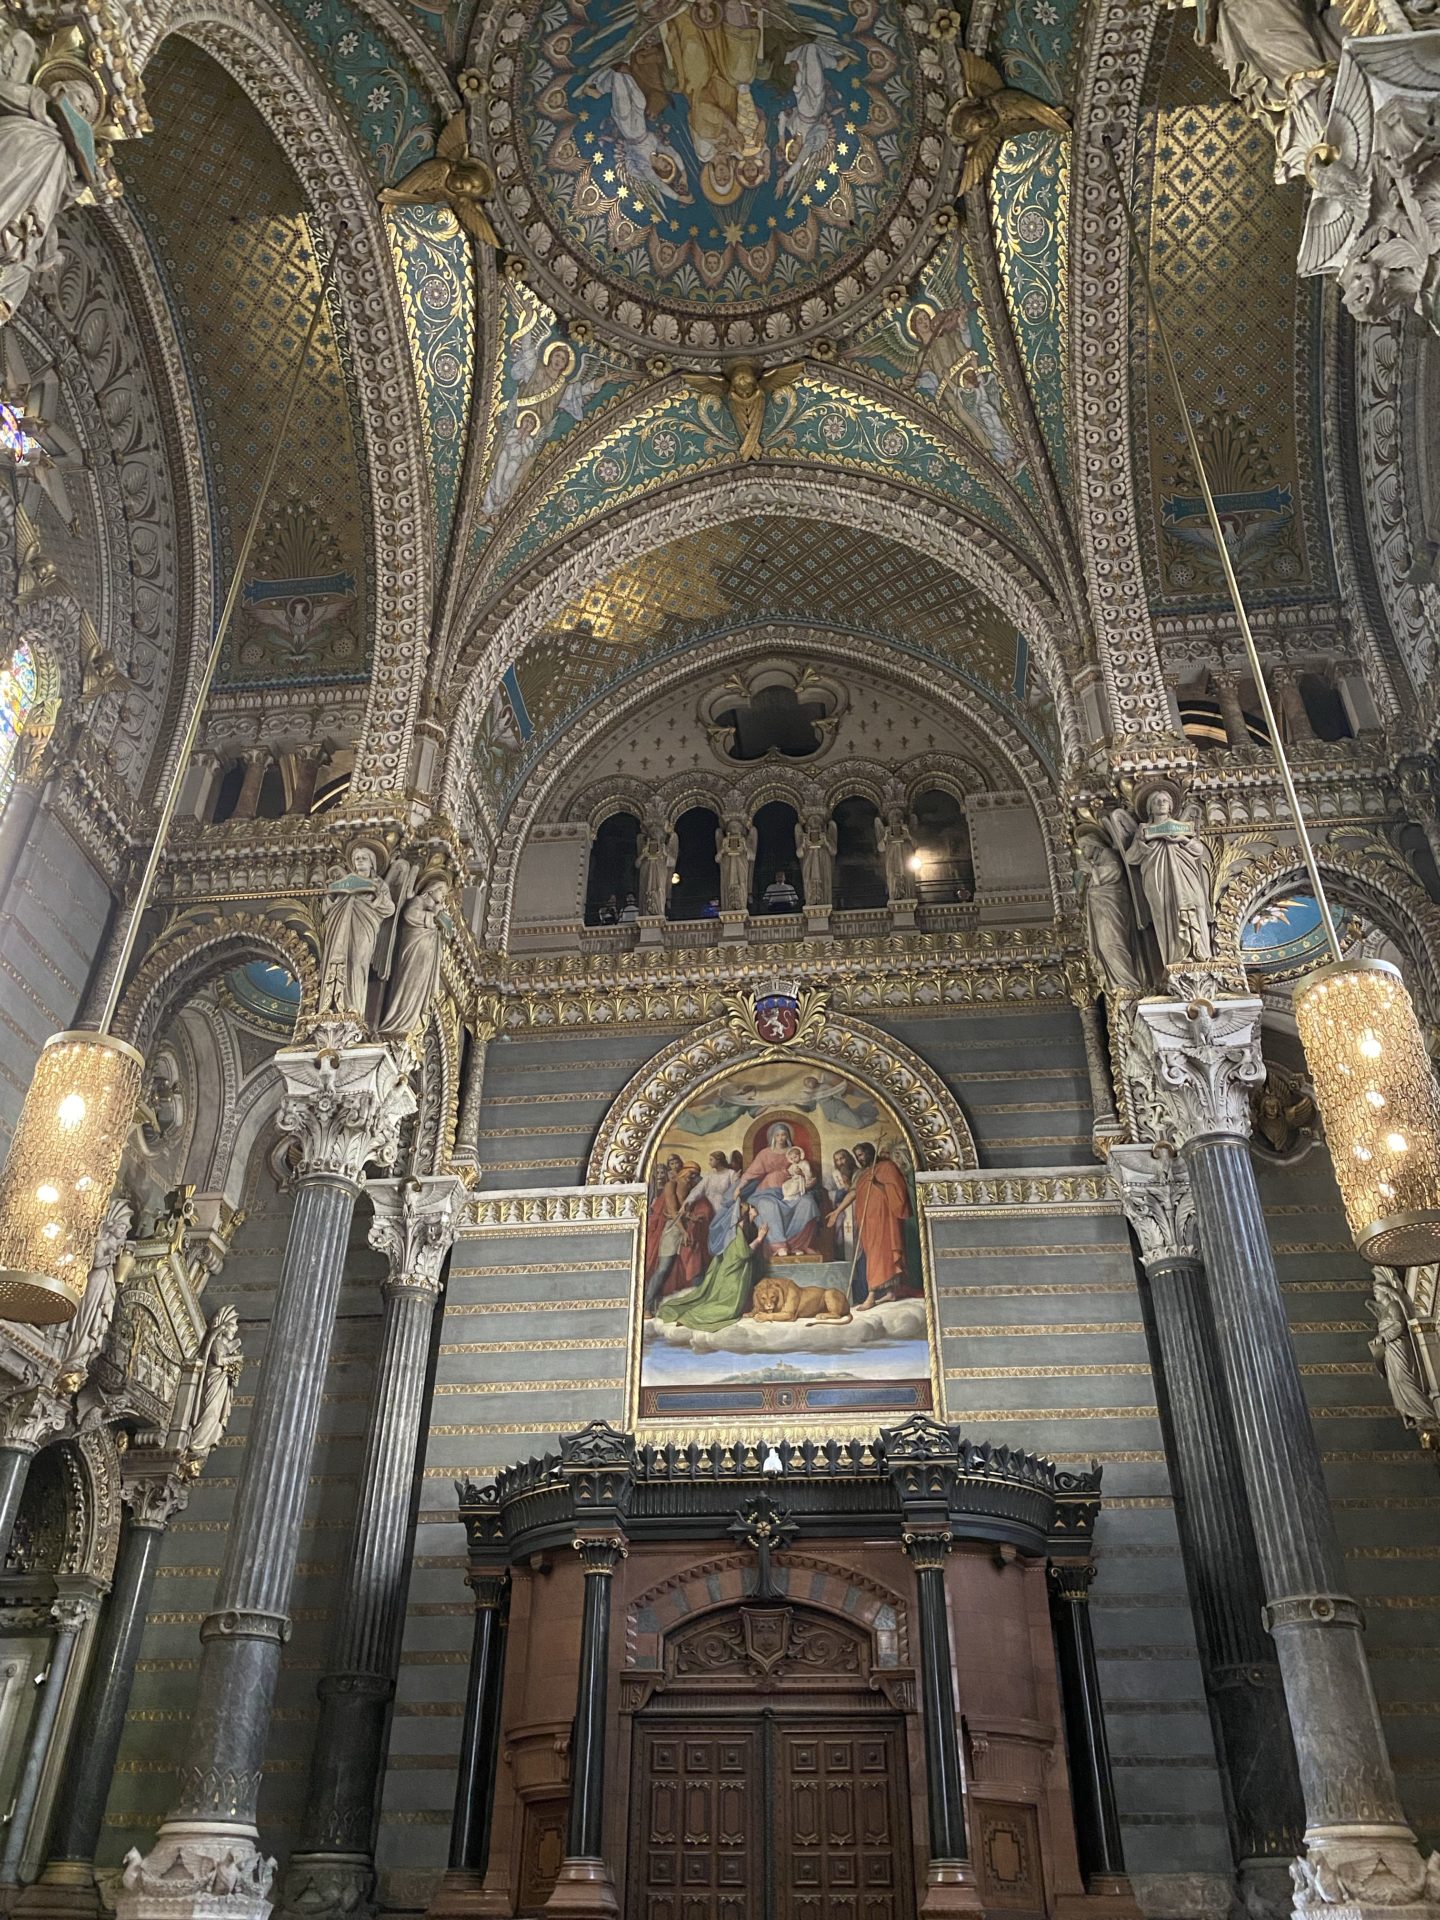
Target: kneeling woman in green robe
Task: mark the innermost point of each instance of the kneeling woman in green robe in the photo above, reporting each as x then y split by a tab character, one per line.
724	1293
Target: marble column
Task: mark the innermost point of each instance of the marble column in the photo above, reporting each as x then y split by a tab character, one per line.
950	1881
28	1420
1106	1123
332	1872
67	1884
1097	1821
71	1613
1360	1855
1232	714
344	1104
305	765
467	1127
1285	686
255	760
463	1889
1217	1544
585	1888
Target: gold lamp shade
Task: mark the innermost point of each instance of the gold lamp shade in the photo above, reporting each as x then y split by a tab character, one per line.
1377	1094
61	1172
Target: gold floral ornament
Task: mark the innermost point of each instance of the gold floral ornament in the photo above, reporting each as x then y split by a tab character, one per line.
781	1014
988	113
454	179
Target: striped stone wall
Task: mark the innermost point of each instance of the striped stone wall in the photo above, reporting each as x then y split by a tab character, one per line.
164	1690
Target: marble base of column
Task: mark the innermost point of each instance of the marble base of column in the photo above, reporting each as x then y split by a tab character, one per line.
464	1893
950	1888
584	1890
1266	1889
66	1890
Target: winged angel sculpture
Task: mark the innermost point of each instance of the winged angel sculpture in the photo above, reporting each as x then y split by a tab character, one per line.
452	178
746	393
988	113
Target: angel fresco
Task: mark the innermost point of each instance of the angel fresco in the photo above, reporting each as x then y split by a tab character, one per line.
550	382
953	372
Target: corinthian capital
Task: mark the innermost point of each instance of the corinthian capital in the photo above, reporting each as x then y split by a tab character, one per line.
1203	1058
414	1226
1154	1189
344	1106
31	1418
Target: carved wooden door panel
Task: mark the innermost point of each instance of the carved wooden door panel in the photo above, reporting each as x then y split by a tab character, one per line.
841	1844
697	1849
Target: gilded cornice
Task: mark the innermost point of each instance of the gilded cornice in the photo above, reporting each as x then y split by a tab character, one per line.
1041	1190
558	1206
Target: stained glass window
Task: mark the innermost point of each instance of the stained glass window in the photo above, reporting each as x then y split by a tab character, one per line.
17	696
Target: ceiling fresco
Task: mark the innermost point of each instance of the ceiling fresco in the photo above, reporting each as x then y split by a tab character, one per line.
226	218
726	579
395	120
1222	241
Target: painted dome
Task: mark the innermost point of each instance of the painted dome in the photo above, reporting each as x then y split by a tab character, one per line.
714	177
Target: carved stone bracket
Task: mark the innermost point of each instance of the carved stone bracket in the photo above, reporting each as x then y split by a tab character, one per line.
1374	218
1204	1058
154	1494
1154	1189
414	1227
345	1106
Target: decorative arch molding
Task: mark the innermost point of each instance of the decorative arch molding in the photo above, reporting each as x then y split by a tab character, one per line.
265	58
939	1132
720	1583
90	1471
178	967
1366	875
1006	759
958	542
1108	100
438	1090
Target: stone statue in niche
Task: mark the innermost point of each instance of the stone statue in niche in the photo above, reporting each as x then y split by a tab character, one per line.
47	162
1109	917
735	845
1176	879
223	1357
1393	1351
97	1309
1280	57
360	904
816	843
658	852
896	845
425	922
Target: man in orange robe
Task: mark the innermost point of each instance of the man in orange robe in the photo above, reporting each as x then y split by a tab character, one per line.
881	1203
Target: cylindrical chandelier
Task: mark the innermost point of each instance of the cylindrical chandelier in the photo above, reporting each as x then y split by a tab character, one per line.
80	1106
61	1171
1371	1071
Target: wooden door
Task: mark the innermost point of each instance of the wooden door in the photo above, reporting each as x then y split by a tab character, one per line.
697	1823
841	1847
767	1818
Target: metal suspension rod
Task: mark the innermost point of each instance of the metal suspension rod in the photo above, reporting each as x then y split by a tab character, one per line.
1287	781
212	661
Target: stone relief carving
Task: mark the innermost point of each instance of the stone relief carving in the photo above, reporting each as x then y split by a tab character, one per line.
87	1331
222	1356
1109	914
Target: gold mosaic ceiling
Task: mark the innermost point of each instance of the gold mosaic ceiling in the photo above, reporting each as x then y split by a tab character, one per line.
225	215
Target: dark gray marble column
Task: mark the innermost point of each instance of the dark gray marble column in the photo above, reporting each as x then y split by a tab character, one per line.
945	1800
70	1614
585	1888
67	1884
1265	1811
1097	1822
345	1107
333	1870
1360	1854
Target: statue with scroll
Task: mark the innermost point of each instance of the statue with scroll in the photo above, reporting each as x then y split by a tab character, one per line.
1173	866
360	902
1280	58
47	163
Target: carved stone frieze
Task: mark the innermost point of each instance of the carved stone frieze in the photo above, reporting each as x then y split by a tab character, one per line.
345	1106
196	1875
1154	1189
558	1206
1203	1059
1043	1190
414	1227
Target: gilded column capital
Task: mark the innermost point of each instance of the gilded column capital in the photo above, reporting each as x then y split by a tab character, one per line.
1200	1058
1154	1189
928	1546
414	1226
345	1105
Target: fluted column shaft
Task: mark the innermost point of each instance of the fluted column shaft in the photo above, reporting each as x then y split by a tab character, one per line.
1360	1854
345	1105
333	1868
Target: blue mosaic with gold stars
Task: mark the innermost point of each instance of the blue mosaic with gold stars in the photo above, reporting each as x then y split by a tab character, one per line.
719	152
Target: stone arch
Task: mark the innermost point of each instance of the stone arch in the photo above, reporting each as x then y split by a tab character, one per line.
938	1131
263	56
178	967
1014	763
92	1473
602	800
964	545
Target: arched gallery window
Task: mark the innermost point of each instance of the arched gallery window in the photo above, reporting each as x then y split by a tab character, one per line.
18	685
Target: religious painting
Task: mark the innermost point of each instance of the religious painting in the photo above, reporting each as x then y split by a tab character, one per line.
710	151
782	1272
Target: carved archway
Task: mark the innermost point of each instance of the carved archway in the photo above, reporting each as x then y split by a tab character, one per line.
178	967
938	1131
